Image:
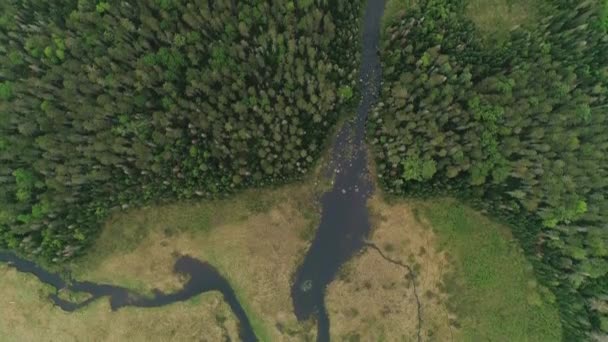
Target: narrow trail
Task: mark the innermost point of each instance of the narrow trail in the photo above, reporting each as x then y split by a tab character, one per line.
411	276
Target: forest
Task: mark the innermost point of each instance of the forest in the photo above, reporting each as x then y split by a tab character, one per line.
516	127
111	104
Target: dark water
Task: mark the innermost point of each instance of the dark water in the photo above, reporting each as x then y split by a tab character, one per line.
343	228
344	221
203	278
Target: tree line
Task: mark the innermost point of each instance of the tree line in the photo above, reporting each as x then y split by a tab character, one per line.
109	104
517	127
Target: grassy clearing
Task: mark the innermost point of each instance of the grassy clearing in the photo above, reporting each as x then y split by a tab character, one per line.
28	315
472	280
498	17
255	239
372	300
394	9
491	286
74	297
493	17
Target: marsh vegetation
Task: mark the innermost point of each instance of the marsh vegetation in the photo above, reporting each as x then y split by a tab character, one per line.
28	315
136	132
255	239
472	280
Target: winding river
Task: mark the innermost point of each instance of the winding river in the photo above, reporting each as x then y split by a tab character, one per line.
202	278
342	231
345	219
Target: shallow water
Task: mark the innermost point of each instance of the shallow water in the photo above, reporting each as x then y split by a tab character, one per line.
344	219
202	278
341	233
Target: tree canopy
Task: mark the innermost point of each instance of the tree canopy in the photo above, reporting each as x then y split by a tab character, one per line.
517	127
107	104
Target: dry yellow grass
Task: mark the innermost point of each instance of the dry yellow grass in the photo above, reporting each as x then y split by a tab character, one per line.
256	248
373	298
28	316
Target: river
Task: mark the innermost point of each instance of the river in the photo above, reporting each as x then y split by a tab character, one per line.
202	278
343	229
344	220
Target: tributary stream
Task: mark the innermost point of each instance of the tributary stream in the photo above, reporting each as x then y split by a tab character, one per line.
202	278
342	231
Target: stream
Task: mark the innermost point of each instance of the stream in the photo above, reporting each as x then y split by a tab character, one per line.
341	233
344	220
202	278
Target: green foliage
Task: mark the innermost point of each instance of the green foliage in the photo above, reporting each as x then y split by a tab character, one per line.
564	214
527	142
109	104
604	16
490	276
24	181
346	93
416	169
102	7
165	4
39	210
6	90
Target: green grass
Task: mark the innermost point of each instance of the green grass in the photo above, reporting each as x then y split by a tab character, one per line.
394	9
492	286
494	18
74	297
259	326
254	239
497	17
26	314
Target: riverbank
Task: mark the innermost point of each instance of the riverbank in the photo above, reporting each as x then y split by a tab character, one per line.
255	239
409	282
472	281
375	298
28	315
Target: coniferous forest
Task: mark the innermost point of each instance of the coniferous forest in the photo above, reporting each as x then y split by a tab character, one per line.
515	127
106	105
110	104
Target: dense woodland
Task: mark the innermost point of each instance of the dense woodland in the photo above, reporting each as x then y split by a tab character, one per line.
518	127
109	104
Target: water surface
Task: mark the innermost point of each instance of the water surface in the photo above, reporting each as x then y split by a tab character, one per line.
341	233
202	278
344	219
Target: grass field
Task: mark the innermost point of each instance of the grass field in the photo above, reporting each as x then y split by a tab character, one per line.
498	17
28	316
394	9
494	18
491	286
374	300
255	239
472	281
